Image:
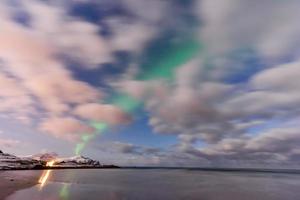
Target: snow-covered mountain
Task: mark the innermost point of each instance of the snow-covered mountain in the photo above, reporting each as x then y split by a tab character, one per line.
46	157
79	161
8	161
39	161
76	161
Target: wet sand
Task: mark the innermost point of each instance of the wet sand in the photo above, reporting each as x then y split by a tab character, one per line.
11	181
163	184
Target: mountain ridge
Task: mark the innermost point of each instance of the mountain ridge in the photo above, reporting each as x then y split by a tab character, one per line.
39	161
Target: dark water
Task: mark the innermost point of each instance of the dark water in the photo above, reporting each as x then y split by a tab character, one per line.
160	184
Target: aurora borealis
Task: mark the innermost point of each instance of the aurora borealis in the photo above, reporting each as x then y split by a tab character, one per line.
164	68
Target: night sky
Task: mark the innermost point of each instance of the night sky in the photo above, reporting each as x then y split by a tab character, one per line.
152	82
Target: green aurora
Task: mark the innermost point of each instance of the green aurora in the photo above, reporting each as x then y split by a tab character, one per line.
160	65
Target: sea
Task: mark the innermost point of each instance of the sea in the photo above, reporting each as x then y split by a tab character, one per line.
162	184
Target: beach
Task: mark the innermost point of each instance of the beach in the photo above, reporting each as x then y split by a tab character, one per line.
159	184
11	181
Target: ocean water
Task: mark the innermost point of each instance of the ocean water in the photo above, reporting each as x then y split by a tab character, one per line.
162	184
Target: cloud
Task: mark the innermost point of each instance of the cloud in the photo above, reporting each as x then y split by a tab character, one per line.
213	119
228	122
273	147
128	154
73	37
220	116
65	127
128	148
276	78
30	57
149	11
38	84
56	95
269	27
13	97
280	140
199	107
130	36
190	106
270	94
101	112
212	111
8	143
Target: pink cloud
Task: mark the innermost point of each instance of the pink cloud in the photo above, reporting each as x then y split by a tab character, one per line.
8	143
106	113
56	91
35	81
65	127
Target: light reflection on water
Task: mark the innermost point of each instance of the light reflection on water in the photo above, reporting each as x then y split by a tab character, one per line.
44	177
163	184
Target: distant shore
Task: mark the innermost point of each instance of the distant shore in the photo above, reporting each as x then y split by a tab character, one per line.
11	181
212	169
218	169
62	167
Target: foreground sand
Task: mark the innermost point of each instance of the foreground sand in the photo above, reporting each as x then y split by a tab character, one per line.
11	181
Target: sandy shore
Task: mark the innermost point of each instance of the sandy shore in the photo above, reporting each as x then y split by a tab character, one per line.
11	181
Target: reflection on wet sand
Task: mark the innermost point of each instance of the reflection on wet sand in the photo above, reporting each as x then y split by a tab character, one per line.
44	177
161	184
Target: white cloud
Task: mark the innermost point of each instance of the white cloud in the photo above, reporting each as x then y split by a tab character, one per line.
76	38
275	146
271	91
130	36
271	27
281	78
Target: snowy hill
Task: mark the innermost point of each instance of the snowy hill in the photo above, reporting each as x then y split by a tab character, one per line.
46	157
76	161
8	161
39	161
79	161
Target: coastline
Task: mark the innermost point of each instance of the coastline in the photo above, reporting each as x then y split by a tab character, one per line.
12	181
62	167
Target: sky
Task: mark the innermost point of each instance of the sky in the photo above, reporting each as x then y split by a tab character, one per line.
187	83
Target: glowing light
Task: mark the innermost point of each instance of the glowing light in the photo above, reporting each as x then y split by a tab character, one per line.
175	56
99	126
43	179
126	102
50	163
79	147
